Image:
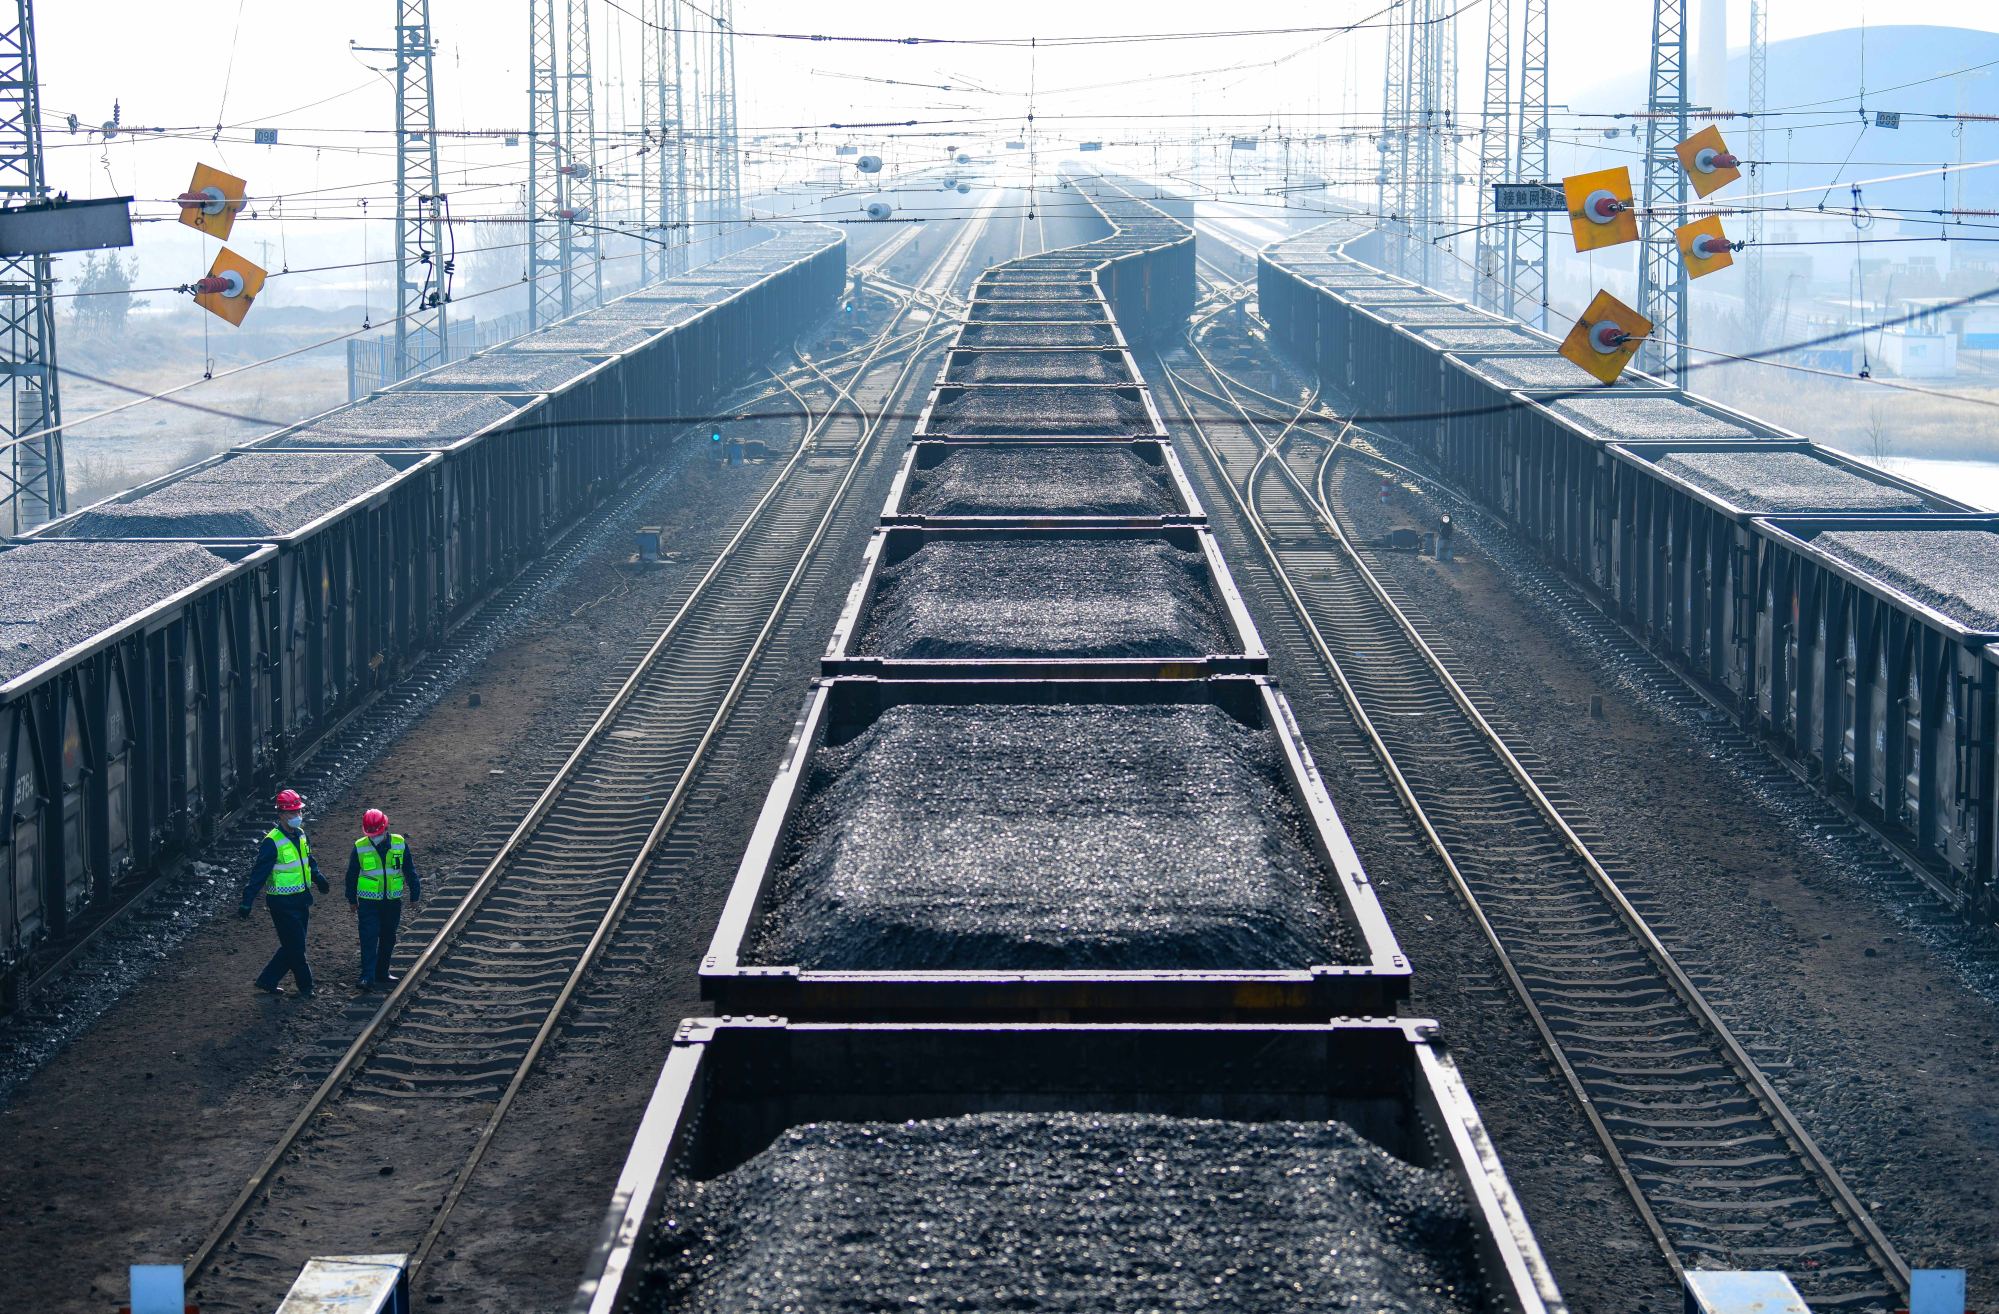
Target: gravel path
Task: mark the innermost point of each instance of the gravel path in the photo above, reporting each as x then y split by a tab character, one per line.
1047	837
1066	1211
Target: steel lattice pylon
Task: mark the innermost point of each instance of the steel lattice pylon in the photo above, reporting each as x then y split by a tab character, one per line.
1752	228
728	197
1662	275
422	281
579	149
549	293
31	477
673	204
1393	201
1490	274
1529	286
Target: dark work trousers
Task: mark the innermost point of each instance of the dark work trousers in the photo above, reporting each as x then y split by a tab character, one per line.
289	913
379	919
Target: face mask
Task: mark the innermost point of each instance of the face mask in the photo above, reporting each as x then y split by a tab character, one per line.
293	820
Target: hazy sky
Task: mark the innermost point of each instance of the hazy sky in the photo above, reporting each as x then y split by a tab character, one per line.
283	64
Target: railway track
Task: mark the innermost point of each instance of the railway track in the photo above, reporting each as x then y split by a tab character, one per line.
423	1088
1721	1172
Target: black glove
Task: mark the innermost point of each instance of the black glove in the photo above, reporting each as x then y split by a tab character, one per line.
242	912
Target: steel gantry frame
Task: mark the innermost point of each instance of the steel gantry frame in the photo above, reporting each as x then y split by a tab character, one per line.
1752	229
549	293
34	488
423	272
1527	290
1662	275
1393	201
1490	250
581	219
728	174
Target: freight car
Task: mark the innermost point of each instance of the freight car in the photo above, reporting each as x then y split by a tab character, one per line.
175	647
1040	780
1871	673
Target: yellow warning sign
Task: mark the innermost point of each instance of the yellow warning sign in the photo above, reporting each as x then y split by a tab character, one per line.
1600	210
1706	159
212	200
1704	246
232	284
1607	336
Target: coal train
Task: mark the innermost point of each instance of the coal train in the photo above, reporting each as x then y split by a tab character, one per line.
1847	617
1048	903
172	650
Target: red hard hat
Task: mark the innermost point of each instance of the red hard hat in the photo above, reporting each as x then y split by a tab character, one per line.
289	801
374	821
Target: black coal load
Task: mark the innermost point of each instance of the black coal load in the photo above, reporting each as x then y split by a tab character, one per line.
1078	479
1540	374
1077	309
655	312
1639	416
1078	288
1418	313
253	495
578	335
1955	571
402	419
1049	837
1097	1212
1038	367
504	371
1045	596
1029	410
1498	338
978	334
54	596
1787	481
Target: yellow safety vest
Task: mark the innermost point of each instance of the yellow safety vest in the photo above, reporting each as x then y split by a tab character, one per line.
292	870
373	884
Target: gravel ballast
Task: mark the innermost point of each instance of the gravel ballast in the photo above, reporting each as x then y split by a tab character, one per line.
266	495
1787	481
54	596
1101	479
504	371
401	419
1956	571
988	334
1045	596
1066	1211
1037	367
1635	417
1047	837
1030	410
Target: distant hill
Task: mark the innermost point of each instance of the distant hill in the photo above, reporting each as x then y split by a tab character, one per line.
1818	78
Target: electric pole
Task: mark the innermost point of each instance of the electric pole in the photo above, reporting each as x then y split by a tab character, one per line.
1492	277
423	284
30	414
1662	275
728	155
1528	288
549	293
579	121
1392	189
1752	228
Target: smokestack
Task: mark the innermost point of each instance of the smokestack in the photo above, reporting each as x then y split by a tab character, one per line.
1711	56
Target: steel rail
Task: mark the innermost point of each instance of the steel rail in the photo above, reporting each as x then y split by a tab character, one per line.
397	1003
1859	1224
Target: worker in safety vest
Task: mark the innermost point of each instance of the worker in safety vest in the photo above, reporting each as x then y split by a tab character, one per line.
285	871
379	867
